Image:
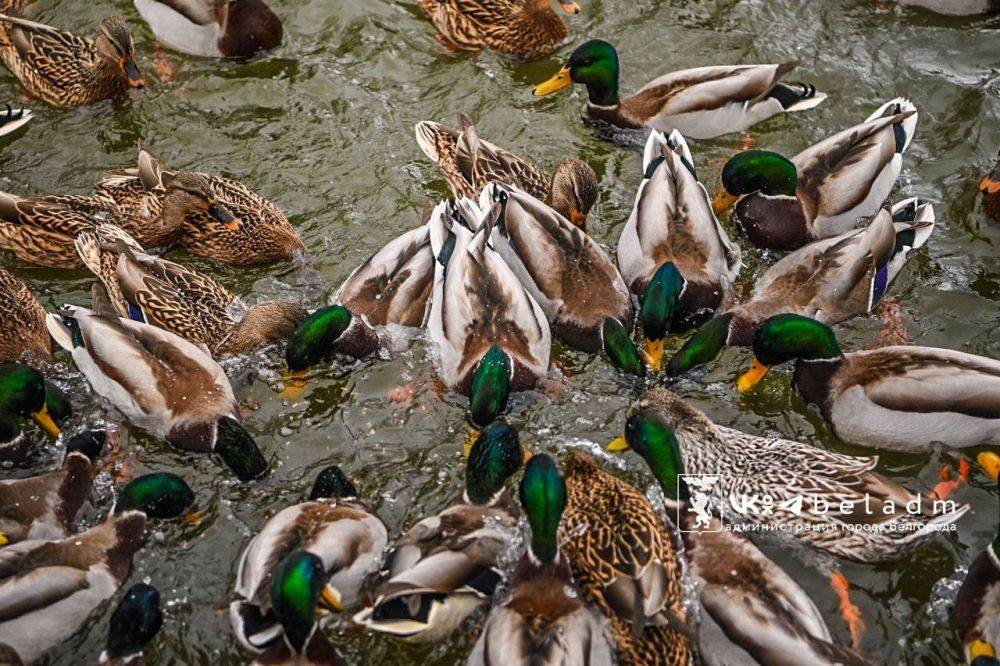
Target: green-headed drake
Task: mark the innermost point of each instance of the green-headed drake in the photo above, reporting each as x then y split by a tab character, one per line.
673	253
830	280
544	618
24	395
783	204
334	525
448	565
134	624
904	398
700	103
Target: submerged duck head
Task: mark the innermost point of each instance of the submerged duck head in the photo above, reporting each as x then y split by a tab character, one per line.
134	623
788	337
190	198
332	483
298	589
620	349
114	43
648	434
328	331
593	64
755	171
490	386
495	456
23	396
659	301
238	450
248	26
160	495
543	495
574	190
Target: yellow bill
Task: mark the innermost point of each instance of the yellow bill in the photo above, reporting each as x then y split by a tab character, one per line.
654	353
990	462
980	648
723	201
527	456
192	518
331	600
467	447
43	419
577	218
618	445
3	539
562	79
749	379
295	385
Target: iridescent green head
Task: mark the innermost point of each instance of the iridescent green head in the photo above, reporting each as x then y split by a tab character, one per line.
594	64
495	456
332	483
648	434
620	349
315	338
490	386
543	496
296	588
134	623
238	450
159	495
759	171
702	347
22	396
787	337
659	301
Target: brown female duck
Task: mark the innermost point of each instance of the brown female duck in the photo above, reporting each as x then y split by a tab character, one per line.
522	28
23	335
66	70
183	301
41	231
213	28
469	164
261	233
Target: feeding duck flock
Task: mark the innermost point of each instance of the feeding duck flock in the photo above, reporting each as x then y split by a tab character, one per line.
242	424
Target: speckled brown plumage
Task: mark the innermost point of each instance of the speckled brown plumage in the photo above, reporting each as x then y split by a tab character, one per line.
64	69
615	542
7	6
23	335
522	28
264	236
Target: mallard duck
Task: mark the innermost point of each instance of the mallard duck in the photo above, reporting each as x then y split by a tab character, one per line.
66	70
700	103
14	120
492	336
624	558
976	614
134	624
23	336
831	280
956	7
213	28
783	204
42	231
158	495
183	301
49	588
523	28
297	593
392	286
190	403
44	506
752	611
260	232
904	398
23	395
673	253
543	619
469	164
335	526
567	272
990	187
447	565
782	470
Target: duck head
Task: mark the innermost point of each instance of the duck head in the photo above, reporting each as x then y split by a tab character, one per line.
755	171
238	450
332	483
190	198
298	589
114	43
574	191
326	332
543	495
648	434
593	64
134	623
160	495
22	396
490	386
659	302
788	337
495	456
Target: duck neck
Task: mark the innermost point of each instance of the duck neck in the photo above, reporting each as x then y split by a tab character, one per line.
812	379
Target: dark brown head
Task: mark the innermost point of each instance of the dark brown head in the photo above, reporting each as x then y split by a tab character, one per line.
262	324
248	26
190	199
574	190
114	43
